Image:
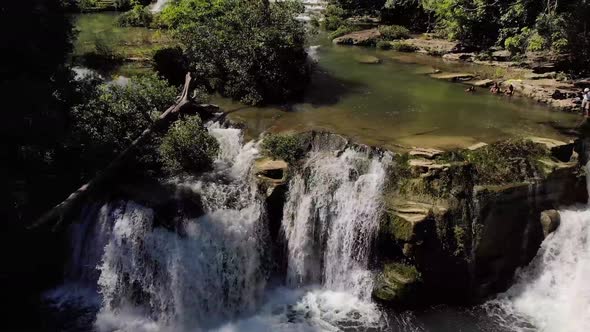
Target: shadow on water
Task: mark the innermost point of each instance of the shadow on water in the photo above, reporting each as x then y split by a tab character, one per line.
327	90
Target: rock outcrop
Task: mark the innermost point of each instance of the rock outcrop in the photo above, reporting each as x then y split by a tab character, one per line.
396	284
466	220
550	221
359	38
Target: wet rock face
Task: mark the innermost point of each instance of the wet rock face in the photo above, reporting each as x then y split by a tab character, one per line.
550	221
467	237
397	284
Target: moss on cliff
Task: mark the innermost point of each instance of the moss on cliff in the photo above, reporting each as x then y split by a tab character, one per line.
397	283
503	162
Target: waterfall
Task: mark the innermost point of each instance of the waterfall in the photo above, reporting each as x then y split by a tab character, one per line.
211	272
330	219
158	6
552	294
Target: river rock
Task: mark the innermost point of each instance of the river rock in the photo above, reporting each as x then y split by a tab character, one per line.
431	46
550	221
407	218
425	153
481	83
271	172
561	150
396	284
359	38
453	76
477	146
501	55
458	56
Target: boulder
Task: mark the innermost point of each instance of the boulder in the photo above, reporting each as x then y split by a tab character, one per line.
561	150
396	284
431	46
550	221
359	38
477	146
458	56
272	173
407	220
481	83
535	76
501	55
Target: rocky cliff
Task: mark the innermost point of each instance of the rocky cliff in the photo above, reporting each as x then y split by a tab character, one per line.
465	220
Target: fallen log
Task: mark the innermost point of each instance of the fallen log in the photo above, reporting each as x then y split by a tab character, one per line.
183	105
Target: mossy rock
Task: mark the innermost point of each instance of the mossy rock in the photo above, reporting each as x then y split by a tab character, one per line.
397	283
406	218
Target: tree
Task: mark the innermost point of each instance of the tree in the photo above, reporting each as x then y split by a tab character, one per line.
113	115
188	147
253	51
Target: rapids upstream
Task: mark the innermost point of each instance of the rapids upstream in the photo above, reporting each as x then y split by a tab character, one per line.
218	272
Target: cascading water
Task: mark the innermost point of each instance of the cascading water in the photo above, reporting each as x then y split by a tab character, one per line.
158	6
330	219
211	272
552	294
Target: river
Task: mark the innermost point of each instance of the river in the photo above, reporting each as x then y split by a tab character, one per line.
218	272
396	104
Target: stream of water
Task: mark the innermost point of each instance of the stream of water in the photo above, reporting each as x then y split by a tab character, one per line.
214	273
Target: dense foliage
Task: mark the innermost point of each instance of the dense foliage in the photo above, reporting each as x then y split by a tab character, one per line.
113	115
99	5
139	16
393	32
35	89
188	146
253	51
520	26
283	146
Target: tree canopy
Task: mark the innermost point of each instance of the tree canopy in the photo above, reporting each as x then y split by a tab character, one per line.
253	51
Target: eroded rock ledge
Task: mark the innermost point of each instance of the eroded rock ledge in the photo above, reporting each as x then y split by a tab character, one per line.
466	220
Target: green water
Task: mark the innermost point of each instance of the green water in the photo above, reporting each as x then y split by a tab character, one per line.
129	42
394	104
397	105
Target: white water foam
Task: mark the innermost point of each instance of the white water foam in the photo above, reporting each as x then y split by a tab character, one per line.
211	275
330	219
158	6
552	294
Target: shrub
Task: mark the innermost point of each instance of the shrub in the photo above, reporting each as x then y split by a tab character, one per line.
139	16
188	147
536	43
560	45
333	17
286	147
384	45
111	116
505	162
394	32
341	31
403	47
